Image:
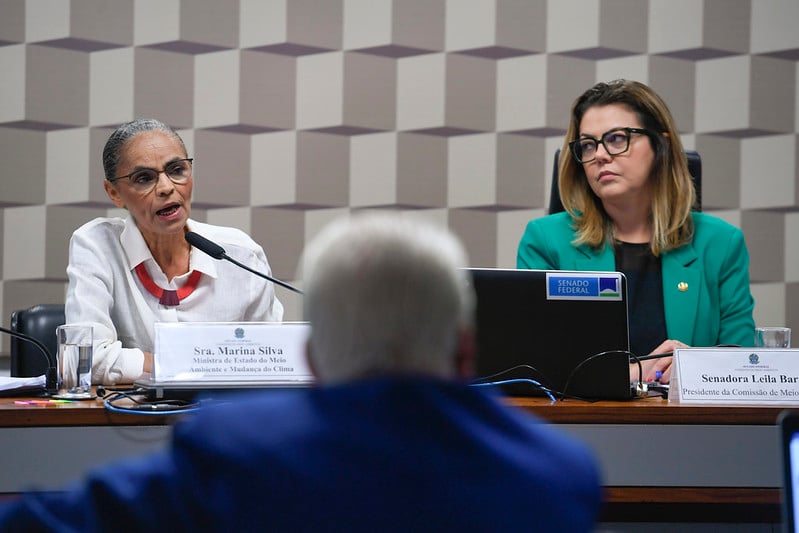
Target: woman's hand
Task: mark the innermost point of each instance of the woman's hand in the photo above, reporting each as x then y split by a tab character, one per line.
148	363
650	368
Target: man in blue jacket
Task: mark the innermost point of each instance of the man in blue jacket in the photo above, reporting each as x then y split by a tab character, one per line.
392	439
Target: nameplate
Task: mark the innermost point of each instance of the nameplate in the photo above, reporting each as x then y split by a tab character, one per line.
584	286
754	376
258	351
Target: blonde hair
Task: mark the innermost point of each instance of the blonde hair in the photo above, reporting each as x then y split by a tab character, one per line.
673	195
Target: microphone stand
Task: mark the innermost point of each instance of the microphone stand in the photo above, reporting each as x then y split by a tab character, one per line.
261	275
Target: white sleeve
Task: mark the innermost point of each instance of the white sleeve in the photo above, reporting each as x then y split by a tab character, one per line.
89	300
265	307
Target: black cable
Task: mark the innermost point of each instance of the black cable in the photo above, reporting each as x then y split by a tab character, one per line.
507	371
144	407
51	374
591	358
533	382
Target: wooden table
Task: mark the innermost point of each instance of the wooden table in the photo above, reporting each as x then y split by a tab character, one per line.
46	446
691	463
660	461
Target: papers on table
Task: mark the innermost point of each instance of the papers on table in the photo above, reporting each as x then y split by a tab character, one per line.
20	386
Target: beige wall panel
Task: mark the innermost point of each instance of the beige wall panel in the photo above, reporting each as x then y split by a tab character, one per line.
420	24
726	24
792	248
24	169
24	242
100	20
519	159
46	20
770	307
164	86
111	86
262	23
476	228
222	168
323	169
370	91
521	93
765	238
273	158
472	170
216	89
373	169
156	21
315	23
422	170
268	89
774	187
319	90
67	160
214	22
623	25
576	23
421	91
522	25
12	88
57	85
471	92
367	23
722	95
773	25
12	23
675	25
773	96
470	24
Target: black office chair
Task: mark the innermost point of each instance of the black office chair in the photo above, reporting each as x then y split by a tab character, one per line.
39	322
694	168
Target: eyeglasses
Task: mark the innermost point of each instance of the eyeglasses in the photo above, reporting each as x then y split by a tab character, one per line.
145	179
615	141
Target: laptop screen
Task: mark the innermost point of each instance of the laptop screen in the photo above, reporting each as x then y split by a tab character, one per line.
789	429
566	330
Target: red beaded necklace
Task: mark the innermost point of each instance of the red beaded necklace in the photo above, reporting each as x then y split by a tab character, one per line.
168	296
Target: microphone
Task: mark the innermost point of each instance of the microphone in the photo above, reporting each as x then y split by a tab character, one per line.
51	374
217	252
634	358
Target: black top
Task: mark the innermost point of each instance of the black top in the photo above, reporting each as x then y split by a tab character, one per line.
645	295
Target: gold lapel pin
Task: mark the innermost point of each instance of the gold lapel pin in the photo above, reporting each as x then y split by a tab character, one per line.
682	286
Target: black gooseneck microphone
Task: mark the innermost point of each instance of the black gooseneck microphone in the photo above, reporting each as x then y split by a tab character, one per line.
217	252
51	374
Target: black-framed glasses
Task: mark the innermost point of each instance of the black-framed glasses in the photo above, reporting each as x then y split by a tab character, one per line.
615	141
143	180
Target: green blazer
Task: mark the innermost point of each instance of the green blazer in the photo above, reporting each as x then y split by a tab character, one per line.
706	296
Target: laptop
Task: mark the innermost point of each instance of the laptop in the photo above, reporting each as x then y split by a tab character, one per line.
566	330
789	432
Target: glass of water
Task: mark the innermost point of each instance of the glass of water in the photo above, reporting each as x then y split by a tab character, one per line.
74	361
772	337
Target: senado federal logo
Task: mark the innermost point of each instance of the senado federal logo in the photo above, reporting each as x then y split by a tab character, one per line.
584	286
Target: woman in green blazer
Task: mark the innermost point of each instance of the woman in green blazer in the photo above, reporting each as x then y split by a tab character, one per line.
628	197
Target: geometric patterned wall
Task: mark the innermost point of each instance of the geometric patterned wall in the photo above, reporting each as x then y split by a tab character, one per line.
298	111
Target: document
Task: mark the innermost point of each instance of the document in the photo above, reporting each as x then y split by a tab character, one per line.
20	386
